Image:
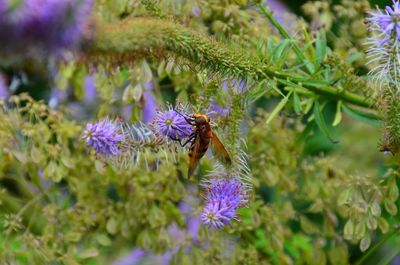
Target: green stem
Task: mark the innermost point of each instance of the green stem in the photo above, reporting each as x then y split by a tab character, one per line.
377	245
136	38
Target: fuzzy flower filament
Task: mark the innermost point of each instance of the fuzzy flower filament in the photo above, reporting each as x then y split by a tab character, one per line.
223	198
104	137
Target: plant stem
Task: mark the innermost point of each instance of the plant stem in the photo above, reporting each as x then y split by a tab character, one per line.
137	38
377	245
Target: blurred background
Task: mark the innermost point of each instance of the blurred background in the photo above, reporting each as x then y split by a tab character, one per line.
134	92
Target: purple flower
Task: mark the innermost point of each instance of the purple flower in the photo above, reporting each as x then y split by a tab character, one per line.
4	93
217	110
103	137
238	86
56	97
43	26
196	11
133	257
172	124
150	106
223	198
387	23
89	90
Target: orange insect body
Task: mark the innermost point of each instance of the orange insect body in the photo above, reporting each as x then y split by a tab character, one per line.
202	138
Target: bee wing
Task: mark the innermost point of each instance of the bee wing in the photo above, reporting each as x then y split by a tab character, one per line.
219	150
193	160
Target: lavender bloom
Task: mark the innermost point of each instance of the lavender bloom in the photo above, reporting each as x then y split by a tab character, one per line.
223	198
132	258
150	106
171	124
89	90
384	46
217	110
56	97
43	26
4	93
387	23
103	137
238	86
196	11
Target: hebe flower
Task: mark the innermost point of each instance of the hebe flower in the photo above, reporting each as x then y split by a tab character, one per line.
387	23
217	111
384	45
104	137
172	124
223	198
42	27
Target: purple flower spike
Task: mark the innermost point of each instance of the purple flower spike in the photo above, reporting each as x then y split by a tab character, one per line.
43	26
172	124
4	93
223	198
150	106
103	137
387	23
217	111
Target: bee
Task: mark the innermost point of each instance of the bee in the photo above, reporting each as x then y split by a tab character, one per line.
200	140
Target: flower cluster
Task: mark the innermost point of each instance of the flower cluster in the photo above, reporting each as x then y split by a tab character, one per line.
223	198
384	44
104	137
172	124
41	27
123	142
217	111
388	23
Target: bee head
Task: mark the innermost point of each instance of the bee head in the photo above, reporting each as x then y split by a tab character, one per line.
201	118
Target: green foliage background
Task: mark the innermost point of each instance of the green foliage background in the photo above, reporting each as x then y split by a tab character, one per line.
310	121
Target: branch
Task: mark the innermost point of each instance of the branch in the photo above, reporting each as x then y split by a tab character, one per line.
155	37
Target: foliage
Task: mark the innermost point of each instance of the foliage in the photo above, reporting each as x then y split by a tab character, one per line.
92	166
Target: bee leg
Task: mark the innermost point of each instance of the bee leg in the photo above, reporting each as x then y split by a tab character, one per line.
187	119
175	139
179	129
180	141
189	140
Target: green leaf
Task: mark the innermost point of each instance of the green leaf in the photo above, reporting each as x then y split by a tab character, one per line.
111	226
309	104
365	242
89	253
252	95
296	103
383	225
390	207
354	57
278	108
278	51
344	196
375	208
367	118
360	229
393	190
320	121
372	223
338	115
308	226
320	47
302	136
349	229
271	46
104	240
